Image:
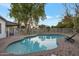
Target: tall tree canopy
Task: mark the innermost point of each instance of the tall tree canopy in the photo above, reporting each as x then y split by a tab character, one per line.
74	10
71	16
28	13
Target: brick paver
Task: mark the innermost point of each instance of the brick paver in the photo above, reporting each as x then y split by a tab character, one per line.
63	49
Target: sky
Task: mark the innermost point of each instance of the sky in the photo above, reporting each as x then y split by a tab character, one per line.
54	13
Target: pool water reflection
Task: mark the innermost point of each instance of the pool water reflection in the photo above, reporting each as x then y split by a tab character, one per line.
34	44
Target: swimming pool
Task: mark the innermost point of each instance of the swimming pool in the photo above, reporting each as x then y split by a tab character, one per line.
34	44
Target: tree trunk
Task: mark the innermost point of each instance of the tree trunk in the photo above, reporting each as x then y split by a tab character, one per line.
19	27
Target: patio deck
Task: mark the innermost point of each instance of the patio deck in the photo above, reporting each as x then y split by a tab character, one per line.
64	48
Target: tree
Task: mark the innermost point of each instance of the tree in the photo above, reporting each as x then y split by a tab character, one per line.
42	26
76	18
60	25
67	22
75	9
28	13
15	12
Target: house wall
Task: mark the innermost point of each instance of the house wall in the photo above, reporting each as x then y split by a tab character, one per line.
10	30
3	29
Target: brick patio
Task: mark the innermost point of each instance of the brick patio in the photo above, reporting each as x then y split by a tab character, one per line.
64	48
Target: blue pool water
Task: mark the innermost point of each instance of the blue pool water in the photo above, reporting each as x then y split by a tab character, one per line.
34	44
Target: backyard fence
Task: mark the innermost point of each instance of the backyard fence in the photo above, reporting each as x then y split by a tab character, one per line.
54	30
50	30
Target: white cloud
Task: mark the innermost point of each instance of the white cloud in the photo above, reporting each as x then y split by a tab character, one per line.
49	17
58	16
54	17
51	20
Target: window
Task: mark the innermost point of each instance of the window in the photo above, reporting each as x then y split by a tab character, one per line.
0	27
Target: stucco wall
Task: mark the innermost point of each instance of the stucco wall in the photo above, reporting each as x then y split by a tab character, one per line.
3	28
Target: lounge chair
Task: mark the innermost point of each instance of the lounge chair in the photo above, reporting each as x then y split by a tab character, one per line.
70	38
